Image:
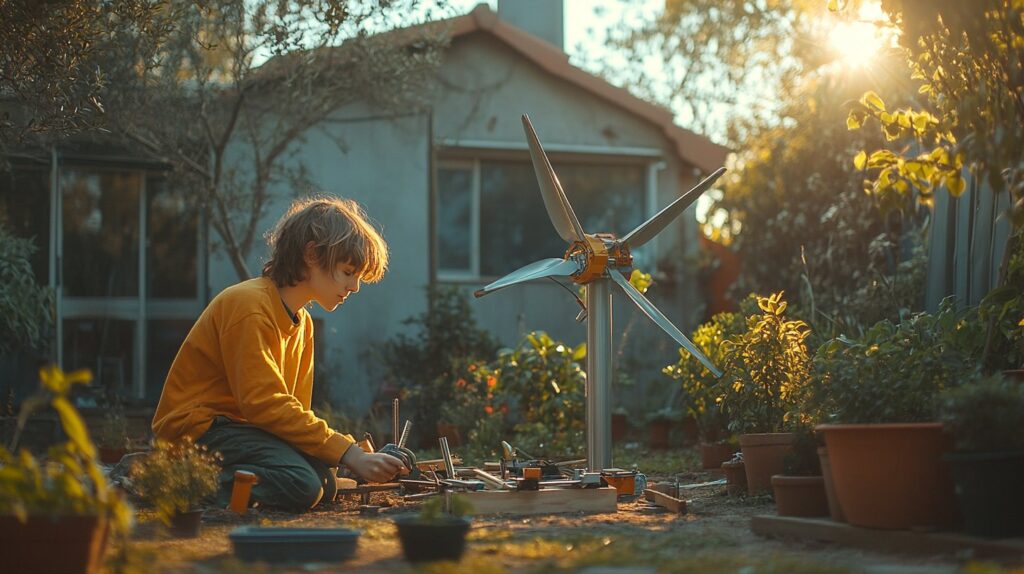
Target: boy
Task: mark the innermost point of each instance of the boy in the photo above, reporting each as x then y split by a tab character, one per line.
242	381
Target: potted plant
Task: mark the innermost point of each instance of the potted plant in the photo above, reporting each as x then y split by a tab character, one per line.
176	478
112	435
766	373
800	489
435	535
659	426
879	394
698	390
986	419
56	512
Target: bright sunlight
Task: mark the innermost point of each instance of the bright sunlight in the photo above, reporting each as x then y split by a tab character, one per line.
857	41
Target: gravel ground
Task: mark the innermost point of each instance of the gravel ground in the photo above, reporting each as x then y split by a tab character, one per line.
713	536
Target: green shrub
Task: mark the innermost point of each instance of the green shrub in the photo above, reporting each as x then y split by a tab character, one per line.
766	370
176	477
427	363
26	308
895	371
68	481
698	384
986	414
541	386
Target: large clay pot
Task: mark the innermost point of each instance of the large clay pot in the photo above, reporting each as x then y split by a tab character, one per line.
762	456
834	510
713	455
58	545
891	476
800	495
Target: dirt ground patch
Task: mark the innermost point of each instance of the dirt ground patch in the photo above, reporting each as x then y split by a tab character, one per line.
713	536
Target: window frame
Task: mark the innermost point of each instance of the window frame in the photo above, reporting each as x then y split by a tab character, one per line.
470	159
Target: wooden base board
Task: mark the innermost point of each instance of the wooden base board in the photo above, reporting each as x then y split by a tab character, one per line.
894	541
545	501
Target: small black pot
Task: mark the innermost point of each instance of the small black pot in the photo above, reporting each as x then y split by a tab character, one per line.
186	524
990	491
442	539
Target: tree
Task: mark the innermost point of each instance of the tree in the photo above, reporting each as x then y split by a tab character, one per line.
227	124
724	67
968	58
50	66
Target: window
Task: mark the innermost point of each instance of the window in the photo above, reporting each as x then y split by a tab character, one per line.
25	211
491	217
172	229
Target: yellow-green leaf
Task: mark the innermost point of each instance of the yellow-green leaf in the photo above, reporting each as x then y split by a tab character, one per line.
73	426
956	184
852	121
871	99
580	352
860	159
833	5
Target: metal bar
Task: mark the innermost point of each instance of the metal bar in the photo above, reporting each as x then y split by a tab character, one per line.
405	433
449	467
599	365
394	421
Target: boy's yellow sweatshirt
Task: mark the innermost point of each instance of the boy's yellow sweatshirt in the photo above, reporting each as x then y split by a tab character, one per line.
245	359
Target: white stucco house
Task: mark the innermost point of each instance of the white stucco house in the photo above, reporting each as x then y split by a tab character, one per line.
452	188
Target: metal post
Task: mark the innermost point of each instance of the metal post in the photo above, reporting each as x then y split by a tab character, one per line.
599	380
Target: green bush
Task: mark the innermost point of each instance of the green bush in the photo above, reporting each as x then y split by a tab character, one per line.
541	386
766	370
895	371
986	414
26	308
427	363
698	384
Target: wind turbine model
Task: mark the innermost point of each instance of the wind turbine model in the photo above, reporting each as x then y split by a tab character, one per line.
597	260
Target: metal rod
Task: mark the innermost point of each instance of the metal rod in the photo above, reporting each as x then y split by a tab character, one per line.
599	362
394	421
405	433
449	467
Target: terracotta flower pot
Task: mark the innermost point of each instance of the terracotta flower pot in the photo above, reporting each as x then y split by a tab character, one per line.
800	495
60	545
659	431
713	455
834	510
735	478
762	456
891	476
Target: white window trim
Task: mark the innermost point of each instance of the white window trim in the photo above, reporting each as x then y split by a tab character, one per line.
651	171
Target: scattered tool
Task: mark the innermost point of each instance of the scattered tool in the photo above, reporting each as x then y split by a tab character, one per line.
405	434
665	501
394	420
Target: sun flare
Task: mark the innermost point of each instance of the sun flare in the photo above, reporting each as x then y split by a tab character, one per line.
856	42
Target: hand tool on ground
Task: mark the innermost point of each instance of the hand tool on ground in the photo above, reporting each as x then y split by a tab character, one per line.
446	454
394	420
405	455
405	434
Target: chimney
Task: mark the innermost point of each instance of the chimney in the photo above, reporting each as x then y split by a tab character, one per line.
542	18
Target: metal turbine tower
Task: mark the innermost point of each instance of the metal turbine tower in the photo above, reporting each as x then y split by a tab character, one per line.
598	260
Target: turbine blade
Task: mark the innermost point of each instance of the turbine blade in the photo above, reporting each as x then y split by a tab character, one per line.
662	321
536	270
559	210
653	226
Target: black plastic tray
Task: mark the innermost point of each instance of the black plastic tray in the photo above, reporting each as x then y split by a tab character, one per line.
294	544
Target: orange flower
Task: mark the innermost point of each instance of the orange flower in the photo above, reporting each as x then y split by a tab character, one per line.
491	382
489	410
472	367
460	383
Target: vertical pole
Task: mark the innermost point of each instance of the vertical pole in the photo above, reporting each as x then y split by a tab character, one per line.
599	370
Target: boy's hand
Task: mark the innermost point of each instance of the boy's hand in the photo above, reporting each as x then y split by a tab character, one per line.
373	467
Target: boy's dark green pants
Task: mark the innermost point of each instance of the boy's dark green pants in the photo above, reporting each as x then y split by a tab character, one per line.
288	479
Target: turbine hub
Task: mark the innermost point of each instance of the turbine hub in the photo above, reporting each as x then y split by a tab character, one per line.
599	252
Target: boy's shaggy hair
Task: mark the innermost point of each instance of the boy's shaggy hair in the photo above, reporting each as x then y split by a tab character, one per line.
340	232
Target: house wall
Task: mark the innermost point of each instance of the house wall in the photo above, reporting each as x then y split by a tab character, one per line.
485	88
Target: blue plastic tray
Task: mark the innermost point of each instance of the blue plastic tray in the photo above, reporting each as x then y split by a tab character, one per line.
294	544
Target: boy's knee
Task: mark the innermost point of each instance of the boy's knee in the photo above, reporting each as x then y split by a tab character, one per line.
308	490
